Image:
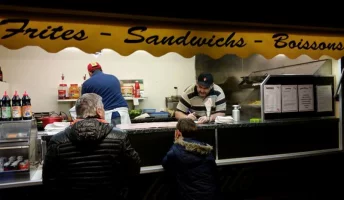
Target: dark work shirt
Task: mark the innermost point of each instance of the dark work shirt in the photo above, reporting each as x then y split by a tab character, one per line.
108	87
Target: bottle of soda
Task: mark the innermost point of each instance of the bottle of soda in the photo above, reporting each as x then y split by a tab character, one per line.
6	113
16	107
137	89
26	107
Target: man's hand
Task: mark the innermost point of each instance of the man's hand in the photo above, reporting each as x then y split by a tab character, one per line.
203	120
192	116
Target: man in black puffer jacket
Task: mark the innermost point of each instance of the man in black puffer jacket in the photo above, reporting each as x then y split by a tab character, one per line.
190	165
90	159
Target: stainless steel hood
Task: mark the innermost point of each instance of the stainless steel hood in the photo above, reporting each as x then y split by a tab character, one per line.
254	79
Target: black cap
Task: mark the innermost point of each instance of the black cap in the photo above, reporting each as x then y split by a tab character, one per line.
205	79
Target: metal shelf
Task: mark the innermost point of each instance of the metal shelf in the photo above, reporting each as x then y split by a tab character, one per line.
66	100
14	147
132	98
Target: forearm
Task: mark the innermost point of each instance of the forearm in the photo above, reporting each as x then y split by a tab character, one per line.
179	115
213	116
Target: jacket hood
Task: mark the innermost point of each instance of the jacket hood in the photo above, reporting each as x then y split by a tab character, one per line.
89	131
197	151
194	146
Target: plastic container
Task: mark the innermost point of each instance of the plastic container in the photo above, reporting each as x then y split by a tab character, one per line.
159	114
62	91
148	110
74	92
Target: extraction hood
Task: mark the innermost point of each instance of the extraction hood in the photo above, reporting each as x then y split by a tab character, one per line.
254	79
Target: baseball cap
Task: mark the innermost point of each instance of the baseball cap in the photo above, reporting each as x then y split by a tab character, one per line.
205	79
93	66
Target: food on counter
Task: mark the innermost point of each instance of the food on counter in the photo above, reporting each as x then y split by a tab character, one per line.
134	113
255	120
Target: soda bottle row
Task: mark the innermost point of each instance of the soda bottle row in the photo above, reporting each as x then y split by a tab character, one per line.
13	163
16	108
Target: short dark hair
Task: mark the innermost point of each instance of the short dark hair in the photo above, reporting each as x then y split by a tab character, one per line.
187	127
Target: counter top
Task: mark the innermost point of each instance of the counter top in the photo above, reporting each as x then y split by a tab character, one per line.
153	127
153	119
138	128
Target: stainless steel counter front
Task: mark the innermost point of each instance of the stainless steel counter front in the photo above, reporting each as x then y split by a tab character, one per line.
36	179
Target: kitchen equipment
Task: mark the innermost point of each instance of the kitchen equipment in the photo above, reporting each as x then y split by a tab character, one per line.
50	120
251	81
53	117
18	150
172	101
38	116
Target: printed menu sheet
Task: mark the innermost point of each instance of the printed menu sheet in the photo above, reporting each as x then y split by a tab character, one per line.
272	98
306	98
289	98
324	98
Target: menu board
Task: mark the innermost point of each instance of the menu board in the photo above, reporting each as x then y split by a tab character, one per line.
324	98
306	98
289	98
272	98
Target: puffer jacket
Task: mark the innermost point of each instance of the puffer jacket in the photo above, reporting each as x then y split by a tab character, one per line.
191	167
89	159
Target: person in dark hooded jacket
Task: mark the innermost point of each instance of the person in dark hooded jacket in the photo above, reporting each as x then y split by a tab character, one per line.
90	159
191	165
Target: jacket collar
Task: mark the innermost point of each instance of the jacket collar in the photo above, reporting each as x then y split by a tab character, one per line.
194	146
78	120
